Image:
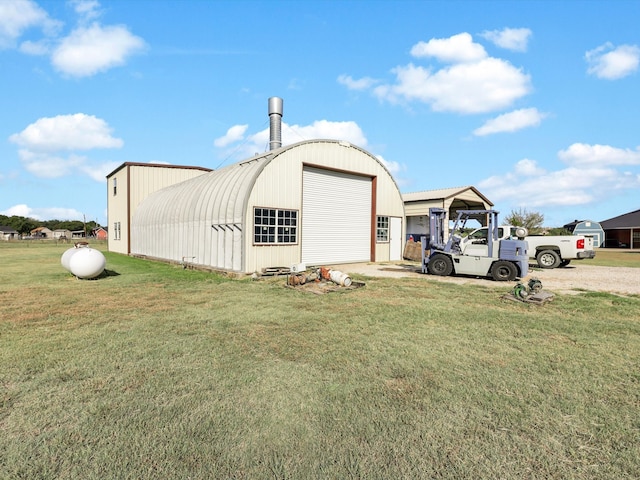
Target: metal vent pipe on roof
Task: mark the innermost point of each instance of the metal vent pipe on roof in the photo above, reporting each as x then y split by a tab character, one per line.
275	123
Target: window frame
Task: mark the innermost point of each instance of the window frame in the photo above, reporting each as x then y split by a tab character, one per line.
382	231
279	226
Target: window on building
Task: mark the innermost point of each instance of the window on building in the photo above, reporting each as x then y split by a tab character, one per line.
116	231
275	226
115	187
382	229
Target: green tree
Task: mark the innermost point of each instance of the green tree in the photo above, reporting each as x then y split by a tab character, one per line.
532	221
559	231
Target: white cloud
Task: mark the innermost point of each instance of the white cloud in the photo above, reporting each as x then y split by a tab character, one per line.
320	129
67	132
48	213
47	165
98	172
233	135
471	82
515	39
395	169
456	49
86	9
579	184
612	63
477	87
363	83
528	168
43	141
89	50
580	154
17	16
40	47
324	129
511	122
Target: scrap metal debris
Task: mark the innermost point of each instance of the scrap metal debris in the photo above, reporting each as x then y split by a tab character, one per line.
530	292
318	280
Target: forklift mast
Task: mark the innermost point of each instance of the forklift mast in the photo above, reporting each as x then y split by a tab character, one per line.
437	228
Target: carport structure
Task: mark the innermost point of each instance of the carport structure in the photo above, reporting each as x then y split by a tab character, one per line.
622	231
417	205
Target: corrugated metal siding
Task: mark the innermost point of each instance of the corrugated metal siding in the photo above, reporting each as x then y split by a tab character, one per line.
414	209
199	221
135	183
336	217
145	180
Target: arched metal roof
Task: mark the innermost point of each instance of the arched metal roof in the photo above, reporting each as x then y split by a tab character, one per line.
188	218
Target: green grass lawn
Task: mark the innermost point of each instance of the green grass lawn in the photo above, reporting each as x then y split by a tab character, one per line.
614	258
153	371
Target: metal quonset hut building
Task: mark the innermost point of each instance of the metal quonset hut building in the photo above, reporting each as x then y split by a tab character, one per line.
317	202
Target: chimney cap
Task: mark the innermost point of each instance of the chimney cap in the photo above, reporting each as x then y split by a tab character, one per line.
275	105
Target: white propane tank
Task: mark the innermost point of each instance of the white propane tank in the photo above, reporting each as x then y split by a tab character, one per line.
87	263
66	257
340	278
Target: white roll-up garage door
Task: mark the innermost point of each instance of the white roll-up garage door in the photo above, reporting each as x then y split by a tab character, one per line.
336	217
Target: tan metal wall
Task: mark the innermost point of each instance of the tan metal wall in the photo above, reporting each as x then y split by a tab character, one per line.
280	185
135	182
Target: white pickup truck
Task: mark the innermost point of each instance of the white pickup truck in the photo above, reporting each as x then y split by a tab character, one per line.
549	251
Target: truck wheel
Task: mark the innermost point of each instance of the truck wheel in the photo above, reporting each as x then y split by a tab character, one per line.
564	263
441	265
548	259
503	271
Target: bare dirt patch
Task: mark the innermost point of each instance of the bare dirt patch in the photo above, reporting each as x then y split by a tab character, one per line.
571	279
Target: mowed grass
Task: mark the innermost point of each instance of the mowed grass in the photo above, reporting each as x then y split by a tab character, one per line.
613	257
158	372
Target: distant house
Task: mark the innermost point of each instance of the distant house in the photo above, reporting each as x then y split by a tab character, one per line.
41	232
587	227
8	233
78	234
61	234
622	231
100	233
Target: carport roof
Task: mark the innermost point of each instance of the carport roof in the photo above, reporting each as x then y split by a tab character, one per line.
626	220
442	193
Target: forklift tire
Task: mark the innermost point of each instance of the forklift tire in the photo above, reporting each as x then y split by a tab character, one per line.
503	271
548	259
440	264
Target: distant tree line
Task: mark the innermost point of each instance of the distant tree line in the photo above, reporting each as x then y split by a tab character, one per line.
24	225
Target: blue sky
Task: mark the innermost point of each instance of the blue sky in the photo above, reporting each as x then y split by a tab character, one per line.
536	103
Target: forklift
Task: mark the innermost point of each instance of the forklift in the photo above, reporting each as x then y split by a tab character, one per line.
502	259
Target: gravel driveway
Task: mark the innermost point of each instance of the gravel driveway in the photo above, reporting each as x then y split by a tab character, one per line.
578	276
